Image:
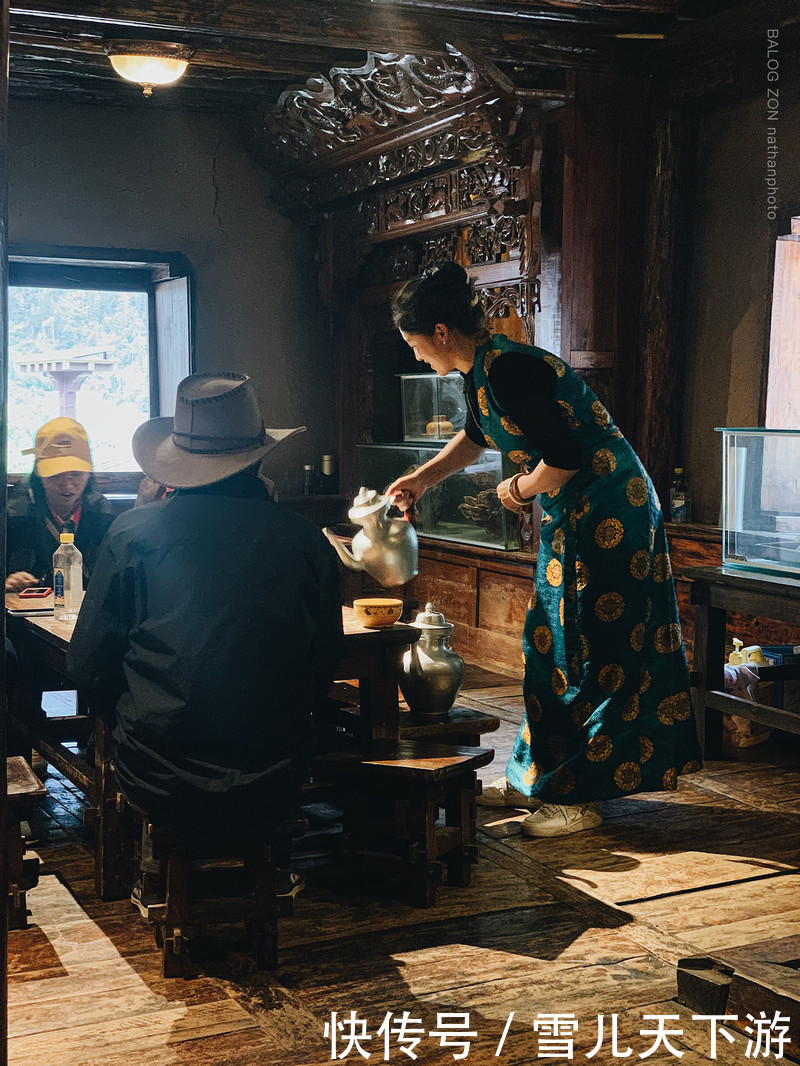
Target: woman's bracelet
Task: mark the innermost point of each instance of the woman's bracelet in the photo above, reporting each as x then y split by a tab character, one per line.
514	494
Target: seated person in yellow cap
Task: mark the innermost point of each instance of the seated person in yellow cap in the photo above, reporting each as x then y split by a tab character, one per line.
58	497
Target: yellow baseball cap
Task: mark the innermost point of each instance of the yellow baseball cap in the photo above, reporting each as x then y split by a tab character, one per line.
61	445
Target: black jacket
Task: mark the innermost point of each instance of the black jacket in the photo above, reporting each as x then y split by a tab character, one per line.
211	628
31	541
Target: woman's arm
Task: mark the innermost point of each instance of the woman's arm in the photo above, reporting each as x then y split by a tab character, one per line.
543	478
456	454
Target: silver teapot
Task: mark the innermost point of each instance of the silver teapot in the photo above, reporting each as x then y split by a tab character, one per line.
432	672
386	548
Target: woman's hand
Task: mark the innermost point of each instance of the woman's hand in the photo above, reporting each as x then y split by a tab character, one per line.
21	580
504	492
406	491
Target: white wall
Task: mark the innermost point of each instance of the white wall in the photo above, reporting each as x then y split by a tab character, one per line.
165	180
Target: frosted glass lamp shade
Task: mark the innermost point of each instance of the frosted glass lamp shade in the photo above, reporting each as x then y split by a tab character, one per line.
148	62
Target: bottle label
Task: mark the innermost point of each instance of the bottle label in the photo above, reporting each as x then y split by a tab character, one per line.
58	588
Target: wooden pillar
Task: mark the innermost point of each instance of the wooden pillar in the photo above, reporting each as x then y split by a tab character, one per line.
605	137
660	377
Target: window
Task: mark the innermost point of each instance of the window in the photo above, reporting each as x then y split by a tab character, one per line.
783	381
101	340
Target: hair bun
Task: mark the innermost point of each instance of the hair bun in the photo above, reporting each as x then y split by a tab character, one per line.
448	273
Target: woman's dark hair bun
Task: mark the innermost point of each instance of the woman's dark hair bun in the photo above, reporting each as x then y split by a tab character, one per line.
442	293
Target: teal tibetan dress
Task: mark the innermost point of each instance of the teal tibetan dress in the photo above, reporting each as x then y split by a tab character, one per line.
606	685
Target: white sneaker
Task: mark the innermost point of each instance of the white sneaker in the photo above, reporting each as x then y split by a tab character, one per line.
501	793
552	820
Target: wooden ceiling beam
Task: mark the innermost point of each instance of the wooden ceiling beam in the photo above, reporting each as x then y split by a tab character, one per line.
507	32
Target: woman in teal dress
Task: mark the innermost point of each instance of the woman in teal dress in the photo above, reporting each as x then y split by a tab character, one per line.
606	686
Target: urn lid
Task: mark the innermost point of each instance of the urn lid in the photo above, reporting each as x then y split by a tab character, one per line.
366	503
430	618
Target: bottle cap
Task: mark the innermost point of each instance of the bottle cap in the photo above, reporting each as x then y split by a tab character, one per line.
678	470
308	466
67	538
326	463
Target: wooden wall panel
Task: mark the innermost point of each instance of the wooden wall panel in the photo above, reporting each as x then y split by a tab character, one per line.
503	602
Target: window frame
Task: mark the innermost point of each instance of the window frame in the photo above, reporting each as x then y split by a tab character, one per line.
117	269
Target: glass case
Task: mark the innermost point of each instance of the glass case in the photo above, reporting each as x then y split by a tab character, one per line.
761	499
464	507
434	408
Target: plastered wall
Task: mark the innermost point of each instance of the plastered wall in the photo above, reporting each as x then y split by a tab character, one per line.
169	181
728	296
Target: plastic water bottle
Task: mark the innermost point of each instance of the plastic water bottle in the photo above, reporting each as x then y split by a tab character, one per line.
67	579
680	503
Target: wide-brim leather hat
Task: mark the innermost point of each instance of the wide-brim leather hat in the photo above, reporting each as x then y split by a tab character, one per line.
217	431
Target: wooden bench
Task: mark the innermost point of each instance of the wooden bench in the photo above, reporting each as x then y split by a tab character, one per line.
23	789
391	797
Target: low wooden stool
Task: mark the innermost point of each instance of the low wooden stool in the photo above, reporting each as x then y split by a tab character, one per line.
391	796
23	789
210	884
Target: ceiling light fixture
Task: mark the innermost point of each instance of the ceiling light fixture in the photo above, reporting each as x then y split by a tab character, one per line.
149	63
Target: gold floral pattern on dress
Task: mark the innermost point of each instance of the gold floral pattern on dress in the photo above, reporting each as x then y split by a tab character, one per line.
554	573
631	710
491	443
510	426
575	668
616	433
609	607
563	781
611	678
599	748
608	533
690	767
648	609
652	538
670	779
581	507
582	575
636	491
532	774
518	457
557	746
547	519
640	564
645	748
533	708
557	365
677	707
581	712
668	638
604	462
526	732
601	415
584	643
483	403
662	571
558	541
543	639
559	682
489	358
644	679
534	597
628	776
637	637
567	407
561	611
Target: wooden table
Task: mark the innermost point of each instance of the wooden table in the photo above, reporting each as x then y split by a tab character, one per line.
370	656
715	591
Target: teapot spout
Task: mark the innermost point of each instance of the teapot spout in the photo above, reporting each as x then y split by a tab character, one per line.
343	551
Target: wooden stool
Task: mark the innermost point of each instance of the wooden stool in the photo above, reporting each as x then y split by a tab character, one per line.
210	884
391	797
24	789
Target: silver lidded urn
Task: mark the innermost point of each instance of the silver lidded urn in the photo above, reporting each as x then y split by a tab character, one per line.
432	672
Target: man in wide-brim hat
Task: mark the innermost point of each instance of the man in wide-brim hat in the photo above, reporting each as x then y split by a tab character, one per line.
212	624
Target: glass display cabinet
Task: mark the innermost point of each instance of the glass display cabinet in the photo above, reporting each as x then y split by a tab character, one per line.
434	407
464	507
761	500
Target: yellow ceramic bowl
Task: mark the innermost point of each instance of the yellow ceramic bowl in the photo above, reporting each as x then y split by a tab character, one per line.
374	612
